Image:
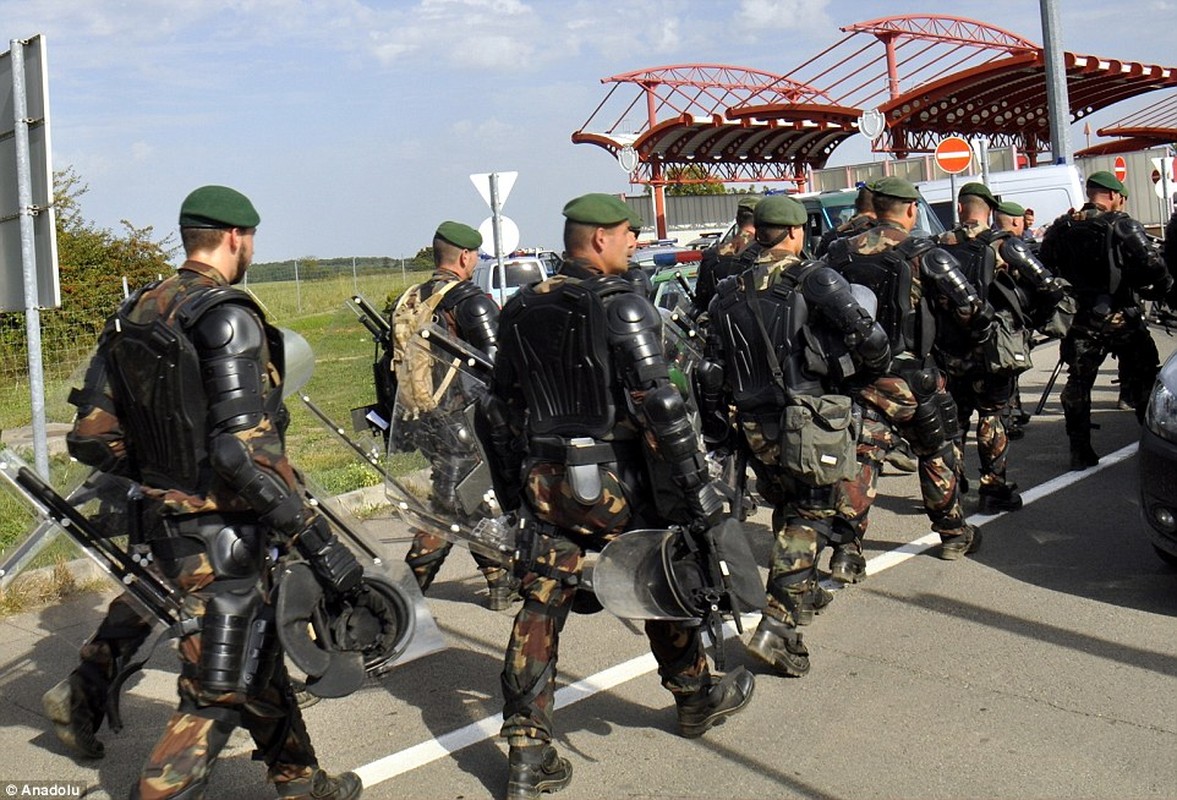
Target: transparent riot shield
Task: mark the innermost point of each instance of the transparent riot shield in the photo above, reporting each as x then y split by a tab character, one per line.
435	419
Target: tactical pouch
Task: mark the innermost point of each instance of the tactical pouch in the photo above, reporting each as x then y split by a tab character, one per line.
1059	322
1006	351
818	438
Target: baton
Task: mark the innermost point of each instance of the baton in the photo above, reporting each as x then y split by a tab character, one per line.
1058	368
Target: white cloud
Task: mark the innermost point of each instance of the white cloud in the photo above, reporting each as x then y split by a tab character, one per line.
769	18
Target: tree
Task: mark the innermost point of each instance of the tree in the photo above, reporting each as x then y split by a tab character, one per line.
92	263
692	179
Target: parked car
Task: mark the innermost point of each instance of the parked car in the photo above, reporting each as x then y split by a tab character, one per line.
1157	464
668	290
519	272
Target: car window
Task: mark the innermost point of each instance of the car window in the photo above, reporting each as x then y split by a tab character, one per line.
519	273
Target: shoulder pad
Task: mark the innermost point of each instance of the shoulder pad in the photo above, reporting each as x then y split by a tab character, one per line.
914	246
938	261
202	302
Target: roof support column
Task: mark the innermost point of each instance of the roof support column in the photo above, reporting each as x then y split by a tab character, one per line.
898	136
1057	101
657	182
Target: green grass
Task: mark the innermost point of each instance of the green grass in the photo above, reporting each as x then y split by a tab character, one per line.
342	380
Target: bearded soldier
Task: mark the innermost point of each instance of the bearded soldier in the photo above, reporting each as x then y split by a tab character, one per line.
582	412
788	337
1112	264
919	288
184	396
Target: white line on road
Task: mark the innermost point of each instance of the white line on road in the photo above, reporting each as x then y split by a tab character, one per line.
419	755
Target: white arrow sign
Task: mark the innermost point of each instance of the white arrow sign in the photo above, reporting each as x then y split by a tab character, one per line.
481	181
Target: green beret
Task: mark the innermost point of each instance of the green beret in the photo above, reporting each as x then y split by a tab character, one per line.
459	235
892	186
749	202
780	211
217	207
635	221
597	209
980	190
1010	209
1106	180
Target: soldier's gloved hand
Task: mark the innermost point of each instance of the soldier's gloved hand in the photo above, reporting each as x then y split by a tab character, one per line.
982	323
335	565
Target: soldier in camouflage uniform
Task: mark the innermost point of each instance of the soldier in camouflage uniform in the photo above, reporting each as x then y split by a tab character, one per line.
918	287
1021	289
863	220
1112	264
721	260
582	412
201	428
471	316
781	330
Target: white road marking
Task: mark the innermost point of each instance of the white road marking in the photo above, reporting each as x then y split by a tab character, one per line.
419	755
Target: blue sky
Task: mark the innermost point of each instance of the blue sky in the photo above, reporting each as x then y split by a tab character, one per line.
354	124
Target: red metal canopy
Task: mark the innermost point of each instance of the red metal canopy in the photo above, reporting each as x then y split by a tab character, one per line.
929	76
1149	127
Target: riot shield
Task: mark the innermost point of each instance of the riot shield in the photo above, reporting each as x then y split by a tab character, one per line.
435	422
661	574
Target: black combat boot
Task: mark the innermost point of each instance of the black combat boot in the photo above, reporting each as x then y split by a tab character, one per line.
780	645
959	542
1000	497
536	769
321	785
69	709
1082	455
846	566
814	602
715	702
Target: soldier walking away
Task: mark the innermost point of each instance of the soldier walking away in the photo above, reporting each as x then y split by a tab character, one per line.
789	337
582	414
1112	265
919	289
723	259
184	396
981	375
450	300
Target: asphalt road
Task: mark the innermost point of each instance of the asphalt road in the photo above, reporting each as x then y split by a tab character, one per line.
1043	666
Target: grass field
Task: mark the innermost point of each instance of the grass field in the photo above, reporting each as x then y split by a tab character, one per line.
342	380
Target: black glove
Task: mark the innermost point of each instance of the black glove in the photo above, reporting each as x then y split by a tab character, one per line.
334	565
705	505
982	323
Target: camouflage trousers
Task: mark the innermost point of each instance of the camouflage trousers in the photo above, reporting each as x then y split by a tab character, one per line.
1084	351
989	395
549	584
428	552
121	632
199	729
889	407
804	520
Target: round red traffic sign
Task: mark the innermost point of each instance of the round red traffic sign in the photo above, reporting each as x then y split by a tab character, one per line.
1120	168
953	155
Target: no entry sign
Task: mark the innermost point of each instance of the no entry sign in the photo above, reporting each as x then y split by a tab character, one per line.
1120	168
953	155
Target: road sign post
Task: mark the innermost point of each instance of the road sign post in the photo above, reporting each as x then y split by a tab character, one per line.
494	188
953	155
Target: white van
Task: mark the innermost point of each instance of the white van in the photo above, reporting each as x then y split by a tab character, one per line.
1051	191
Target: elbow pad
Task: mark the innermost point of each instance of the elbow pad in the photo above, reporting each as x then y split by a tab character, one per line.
1138	257
1029	269
266	494
875	349
676	441
828	292
943	270
478	320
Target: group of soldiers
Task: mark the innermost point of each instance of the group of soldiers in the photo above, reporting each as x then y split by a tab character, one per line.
813	371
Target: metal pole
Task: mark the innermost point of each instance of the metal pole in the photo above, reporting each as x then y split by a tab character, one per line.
983	149
297	287
28	258
496	211
1057	101
404	278
355	283
952	192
